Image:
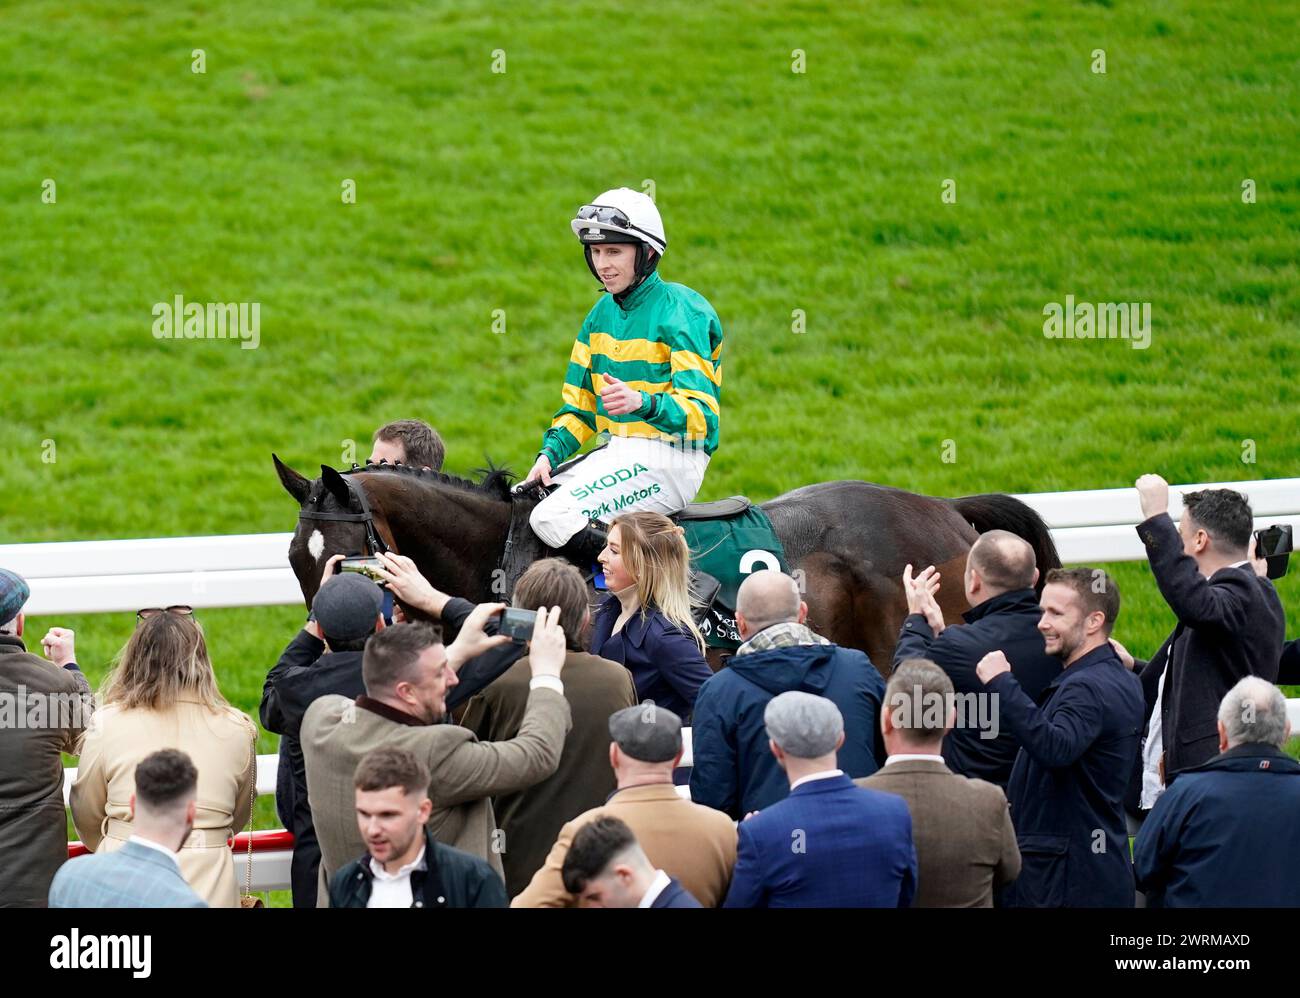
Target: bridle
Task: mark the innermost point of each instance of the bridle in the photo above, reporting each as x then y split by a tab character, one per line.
374	543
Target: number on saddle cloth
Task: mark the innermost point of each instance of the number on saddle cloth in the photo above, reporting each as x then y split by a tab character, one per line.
729	539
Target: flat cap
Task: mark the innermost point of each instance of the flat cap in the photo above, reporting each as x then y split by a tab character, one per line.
14	592
805	725
346	606
647	733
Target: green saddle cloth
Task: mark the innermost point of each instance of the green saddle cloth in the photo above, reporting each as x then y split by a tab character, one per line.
729	548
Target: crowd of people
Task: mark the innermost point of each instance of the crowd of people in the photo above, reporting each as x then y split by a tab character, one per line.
436	762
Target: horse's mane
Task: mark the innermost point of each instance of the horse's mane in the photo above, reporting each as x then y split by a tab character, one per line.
494	481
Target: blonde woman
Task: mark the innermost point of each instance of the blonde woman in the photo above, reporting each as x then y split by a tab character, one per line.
646	623
162	693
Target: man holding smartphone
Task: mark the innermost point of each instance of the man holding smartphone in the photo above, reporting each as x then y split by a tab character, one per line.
325	658
1230	625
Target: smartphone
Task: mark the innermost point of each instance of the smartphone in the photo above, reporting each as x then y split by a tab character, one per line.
517	624
1274	544
369	567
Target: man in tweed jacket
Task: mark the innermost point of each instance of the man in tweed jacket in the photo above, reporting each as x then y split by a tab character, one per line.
407	672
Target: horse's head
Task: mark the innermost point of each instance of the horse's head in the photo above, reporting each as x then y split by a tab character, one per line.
319	534
453	528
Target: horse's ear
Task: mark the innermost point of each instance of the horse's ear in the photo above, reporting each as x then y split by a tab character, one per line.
333	481
293	483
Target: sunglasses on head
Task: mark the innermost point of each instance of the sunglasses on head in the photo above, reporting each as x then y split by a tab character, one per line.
153	611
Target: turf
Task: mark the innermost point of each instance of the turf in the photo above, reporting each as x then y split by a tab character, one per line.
817	191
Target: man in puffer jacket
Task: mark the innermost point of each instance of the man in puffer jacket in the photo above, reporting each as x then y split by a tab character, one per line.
734	771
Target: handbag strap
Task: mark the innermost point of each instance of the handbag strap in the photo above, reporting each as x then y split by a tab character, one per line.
252	803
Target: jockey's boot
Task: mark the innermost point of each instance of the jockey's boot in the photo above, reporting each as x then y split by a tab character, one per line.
584	546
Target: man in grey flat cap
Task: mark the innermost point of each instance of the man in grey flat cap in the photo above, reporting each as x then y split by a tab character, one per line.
829	844
45	708
693	844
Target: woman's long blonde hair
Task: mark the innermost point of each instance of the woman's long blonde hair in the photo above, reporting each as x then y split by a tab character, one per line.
165	660
654	551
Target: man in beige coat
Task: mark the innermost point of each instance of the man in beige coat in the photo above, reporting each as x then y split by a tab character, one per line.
965	843
693	843
407	672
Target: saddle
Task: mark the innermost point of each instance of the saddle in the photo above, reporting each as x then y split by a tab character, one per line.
728	539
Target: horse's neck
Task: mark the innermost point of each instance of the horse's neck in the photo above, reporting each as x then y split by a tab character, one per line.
456	540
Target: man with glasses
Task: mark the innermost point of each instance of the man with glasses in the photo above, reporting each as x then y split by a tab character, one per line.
646	369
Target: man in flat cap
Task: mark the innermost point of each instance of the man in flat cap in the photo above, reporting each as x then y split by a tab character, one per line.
829	844
324	657
693	844
45	708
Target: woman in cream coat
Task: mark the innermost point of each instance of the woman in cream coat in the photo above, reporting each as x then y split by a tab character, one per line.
163	694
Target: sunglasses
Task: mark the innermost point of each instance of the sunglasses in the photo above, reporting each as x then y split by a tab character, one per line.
153	611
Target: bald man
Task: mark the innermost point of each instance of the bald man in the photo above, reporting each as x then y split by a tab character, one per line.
999	584
734	771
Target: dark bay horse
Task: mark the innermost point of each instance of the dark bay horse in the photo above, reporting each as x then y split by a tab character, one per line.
851	540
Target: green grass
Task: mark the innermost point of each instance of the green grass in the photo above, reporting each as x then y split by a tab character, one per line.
817	191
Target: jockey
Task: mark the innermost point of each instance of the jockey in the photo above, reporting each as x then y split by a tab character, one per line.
646	369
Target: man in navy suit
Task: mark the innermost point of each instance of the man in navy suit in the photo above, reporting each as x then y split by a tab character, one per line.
829	844
144	872
607	868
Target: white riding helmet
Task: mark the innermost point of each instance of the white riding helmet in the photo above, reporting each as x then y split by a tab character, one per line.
621	216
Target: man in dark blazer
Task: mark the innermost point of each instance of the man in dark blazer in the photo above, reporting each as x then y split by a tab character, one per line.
999	581
829	844
1230	625
733	769
607	868
1077	750
1225	832
965	843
